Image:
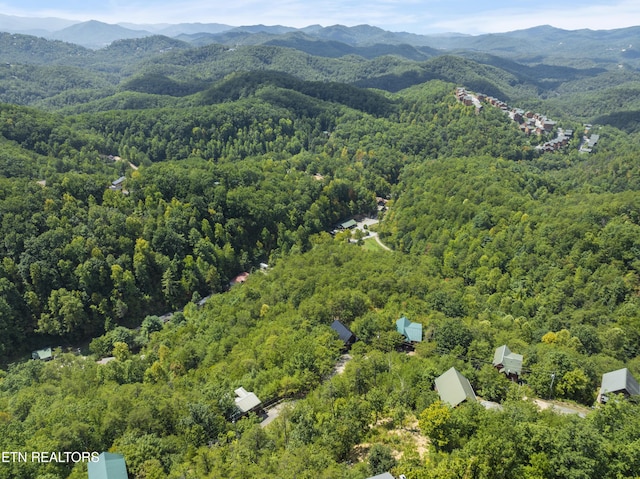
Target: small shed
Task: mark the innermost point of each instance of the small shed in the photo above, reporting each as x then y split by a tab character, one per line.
345	334
42	354
411	331
108	466
507	362
620	381
453	388
246	401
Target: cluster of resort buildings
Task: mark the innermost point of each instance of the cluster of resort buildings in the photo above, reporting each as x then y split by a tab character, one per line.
529	122
560	141
588	142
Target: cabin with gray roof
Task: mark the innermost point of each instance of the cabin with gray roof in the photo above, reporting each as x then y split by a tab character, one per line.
345	334
246	401
620	381
507	362
412	332
384	475
118	184
108	466
453	388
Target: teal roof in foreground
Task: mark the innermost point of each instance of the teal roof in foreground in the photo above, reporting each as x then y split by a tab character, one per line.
411	331
109	466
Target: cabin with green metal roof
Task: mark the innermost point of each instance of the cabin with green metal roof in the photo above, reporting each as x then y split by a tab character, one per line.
349	224
453	388
508	362
412	332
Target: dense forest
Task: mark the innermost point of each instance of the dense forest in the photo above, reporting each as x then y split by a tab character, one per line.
223	168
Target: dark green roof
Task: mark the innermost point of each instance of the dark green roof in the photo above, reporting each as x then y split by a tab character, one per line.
349	224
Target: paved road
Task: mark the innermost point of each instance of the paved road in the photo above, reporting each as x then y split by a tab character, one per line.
542	404
274	412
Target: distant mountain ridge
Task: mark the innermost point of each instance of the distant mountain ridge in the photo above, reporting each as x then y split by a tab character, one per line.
618	46
94	34
33	26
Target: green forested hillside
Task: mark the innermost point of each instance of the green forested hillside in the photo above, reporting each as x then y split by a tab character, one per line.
227	166
81	256
56	75
169	410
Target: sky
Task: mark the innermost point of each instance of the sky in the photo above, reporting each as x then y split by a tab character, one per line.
415	16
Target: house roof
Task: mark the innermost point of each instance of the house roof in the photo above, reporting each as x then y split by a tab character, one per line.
349	224
241	278
108	466
619	381
246	401
454	388
510	363
384	475
345	333
106	360
43	354
411	331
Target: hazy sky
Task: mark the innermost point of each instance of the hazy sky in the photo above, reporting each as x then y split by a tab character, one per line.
417	16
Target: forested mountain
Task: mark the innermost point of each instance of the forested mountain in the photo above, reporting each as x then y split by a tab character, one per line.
588	90
336	49
543	44
140	179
